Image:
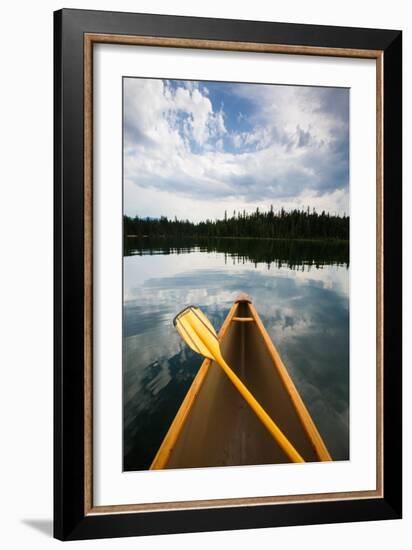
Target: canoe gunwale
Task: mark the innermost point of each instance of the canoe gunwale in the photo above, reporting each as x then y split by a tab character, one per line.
162	456
300	407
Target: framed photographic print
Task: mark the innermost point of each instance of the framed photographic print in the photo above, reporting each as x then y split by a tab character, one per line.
227	274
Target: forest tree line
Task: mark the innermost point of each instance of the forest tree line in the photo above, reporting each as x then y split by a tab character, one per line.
293	224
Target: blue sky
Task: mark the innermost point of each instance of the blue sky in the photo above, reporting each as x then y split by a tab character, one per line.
195	149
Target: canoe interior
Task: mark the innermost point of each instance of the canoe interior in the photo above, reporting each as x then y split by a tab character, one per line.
220	428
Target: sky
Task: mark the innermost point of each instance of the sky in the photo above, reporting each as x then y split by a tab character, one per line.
195	149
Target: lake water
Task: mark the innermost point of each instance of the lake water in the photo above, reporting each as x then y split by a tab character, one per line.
300	290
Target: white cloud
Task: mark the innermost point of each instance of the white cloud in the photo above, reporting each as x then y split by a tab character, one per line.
176	154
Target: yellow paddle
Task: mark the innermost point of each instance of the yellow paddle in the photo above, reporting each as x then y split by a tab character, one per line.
197	331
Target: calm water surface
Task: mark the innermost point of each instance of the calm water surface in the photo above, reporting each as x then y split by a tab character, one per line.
300	290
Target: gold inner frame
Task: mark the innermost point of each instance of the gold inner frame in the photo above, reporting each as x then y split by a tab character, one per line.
89	40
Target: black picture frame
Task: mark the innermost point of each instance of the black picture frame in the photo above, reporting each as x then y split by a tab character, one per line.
71	521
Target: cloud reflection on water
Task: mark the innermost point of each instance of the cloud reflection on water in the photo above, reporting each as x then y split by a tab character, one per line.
306	313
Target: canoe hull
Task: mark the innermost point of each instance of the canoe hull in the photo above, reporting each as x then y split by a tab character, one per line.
215	426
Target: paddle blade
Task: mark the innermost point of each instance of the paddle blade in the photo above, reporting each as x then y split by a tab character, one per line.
198	332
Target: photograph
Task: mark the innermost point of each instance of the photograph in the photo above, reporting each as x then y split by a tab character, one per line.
227	273
236	226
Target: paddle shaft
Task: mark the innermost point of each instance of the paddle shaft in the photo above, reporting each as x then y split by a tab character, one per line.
263	416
